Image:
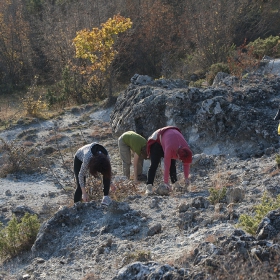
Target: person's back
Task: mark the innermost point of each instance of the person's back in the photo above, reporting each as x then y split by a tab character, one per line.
132	141
171	141
135	141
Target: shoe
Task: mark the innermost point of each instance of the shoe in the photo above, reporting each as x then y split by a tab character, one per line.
149	189
106	200
277	116
142	177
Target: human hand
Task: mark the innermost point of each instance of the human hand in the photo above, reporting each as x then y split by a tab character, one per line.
113	188
85	197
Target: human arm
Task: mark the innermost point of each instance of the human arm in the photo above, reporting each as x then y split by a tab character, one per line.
108	186
85	196
135	167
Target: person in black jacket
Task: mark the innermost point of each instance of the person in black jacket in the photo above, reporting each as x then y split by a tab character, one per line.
95	159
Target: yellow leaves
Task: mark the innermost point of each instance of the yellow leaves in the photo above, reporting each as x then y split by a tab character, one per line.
96	46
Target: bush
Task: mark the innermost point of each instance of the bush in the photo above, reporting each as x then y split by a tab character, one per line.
214	69
17	158
217	194
198	84
269	46
277	159
250	223
34	107
18	236
242	61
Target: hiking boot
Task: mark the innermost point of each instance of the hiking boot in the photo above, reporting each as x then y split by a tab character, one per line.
277	116
106	200
149	189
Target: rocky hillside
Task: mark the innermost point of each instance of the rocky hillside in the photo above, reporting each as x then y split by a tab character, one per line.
189	234
231	117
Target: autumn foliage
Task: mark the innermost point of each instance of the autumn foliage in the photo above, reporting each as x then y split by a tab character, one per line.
84	50
96	47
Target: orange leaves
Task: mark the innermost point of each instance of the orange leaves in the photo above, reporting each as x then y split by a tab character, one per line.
96	46
243	60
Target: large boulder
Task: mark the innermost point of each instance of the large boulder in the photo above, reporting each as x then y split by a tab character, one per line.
230	120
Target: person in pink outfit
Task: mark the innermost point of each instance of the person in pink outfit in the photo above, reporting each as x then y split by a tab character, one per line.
169	143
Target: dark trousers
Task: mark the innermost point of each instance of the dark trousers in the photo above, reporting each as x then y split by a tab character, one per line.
156	153
77	168
78	192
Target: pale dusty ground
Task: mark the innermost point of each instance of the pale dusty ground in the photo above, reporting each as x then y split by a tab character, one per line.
75	252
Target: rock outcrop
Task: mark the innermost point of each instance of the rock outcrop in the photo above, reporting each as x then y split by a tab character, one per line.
234	119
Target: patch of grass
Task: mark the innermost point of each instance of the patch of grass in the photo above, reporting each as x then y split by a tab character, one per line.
102	131
232	268
250	223
217	194
91	276
54	138
275	172
277	159
198	84
124	189
18	158
184	259
17	236
139	255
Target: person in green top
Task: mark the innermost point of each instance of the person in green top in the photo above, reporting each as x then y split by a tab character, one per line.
131	141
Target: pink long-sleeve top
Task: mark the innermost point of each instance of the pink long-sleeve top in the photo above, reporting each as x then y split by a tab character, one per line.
171	141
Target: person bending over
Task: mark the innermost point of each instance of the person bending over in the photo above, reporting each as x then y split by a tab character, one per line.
92	158
168	143
131	141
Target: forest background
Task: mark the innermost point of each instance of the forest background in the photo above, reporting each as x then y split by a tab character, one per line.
187	39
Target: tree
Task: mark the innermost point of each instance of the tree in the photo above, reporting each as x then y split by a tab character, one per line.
15	51
96	49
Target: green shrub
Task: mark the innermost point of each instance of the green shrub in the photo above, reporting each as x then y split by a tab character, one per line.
277	159
214	69
18	236
217	195
198	84
269	46
34	107
250	223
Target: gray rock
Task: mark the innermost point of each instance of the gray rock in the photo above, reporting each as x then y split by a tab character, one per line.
235	194
214	121
154	230
162	190
220	76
